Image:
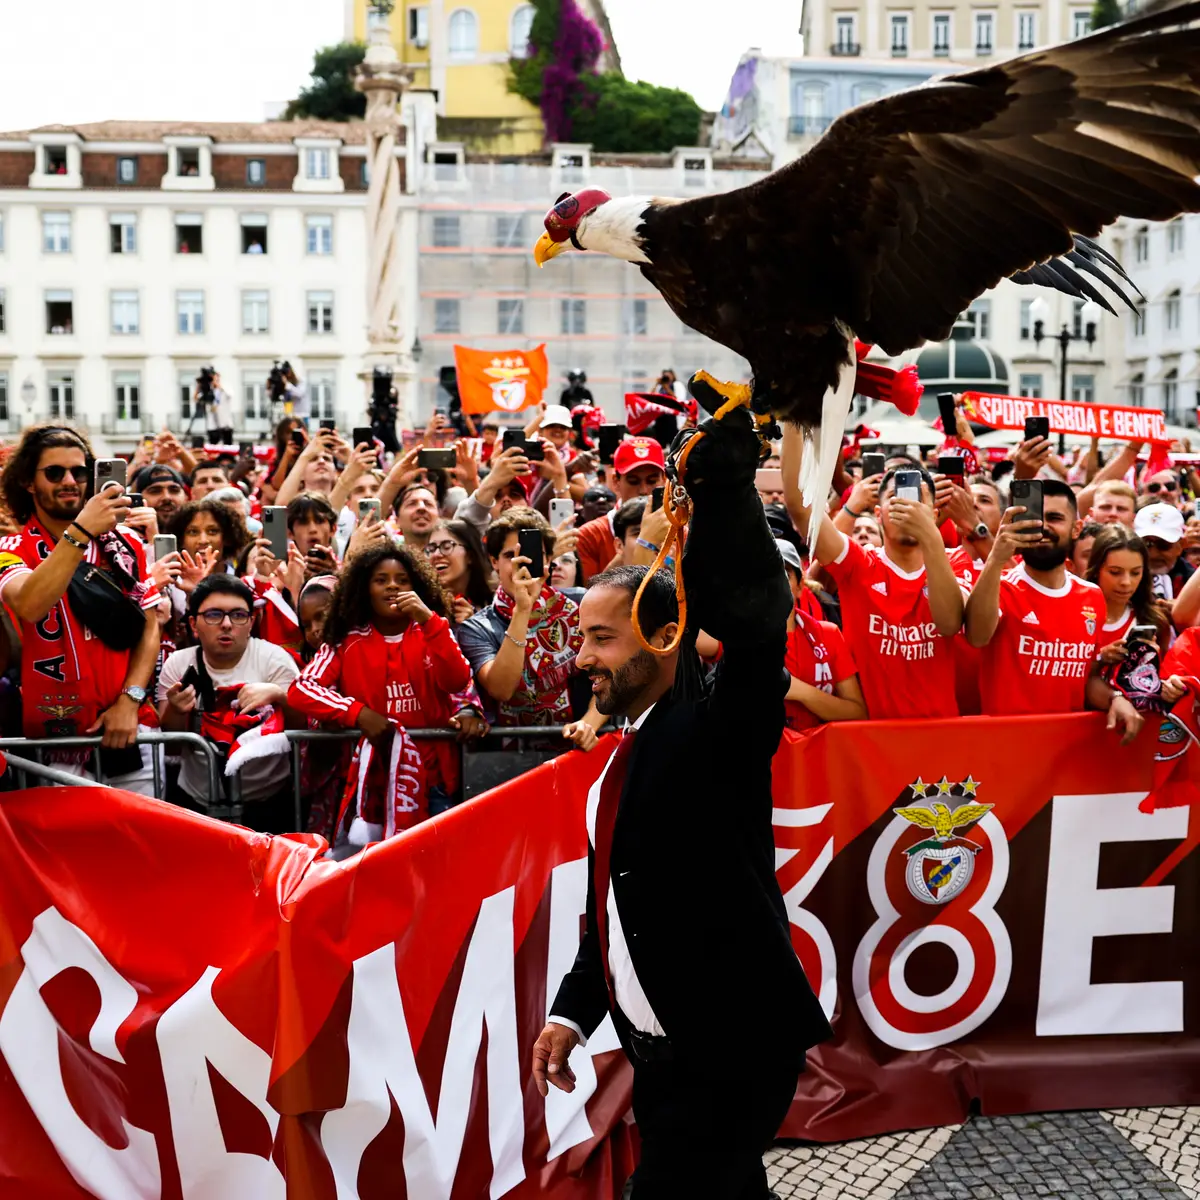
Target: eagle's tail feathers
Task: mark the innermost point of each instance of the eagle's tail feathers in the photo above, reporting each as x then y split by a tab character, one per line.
822	447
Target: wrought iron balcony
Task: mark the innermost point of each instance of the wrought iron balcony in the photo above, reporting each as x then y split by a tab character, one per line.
845	49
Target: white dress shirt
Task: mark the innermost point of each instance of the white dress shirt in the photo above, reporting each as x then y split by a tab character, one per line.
627	990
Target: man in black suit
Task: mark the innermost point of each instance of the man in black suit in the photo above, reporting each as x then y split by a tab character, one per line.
692	953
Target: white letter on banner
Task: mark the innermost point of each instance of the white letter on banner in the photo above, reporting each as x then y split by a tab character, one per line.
1077	912
567	1122
29	1044
192	1033
382	1062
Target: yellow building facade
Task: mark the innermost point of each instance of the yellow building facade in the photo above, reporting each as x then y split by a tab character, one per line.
460	51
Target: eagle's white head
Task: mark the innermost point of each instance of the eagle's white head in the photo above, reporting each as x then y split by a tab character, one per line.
593	220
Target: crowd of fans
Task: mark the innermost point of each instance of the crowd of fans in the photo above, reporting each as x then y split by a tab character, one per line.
414	597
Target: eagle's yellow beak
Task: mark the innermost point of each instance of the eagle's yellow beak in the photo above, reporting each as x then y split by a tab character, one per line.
546	249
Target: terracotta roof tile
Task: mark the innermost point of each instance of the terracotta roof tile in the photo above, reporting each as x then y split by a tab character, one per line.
350	132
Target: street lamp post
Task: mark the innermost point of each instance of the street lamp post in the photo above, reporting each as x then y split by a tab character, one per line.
1039	310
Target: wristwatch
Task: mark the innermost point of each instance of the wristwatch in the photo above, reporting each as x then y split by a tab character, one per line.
980	532
136	694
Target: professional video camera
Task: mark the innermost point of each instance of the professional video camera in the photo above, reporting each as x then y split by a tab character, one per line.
384	409
576	392
448	383
277	381
205	400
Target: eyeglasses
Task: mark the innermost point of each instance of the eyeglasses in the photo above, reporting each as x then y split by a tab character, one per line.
446	548
216	616
1155	488
56	473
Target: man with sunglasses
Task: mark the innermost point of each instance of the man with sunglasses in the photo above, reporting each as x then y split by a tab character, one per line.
1164	488
73	682
223	680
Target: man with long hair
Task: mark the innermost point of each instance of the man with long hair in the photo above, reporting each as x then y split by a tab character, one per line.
86	655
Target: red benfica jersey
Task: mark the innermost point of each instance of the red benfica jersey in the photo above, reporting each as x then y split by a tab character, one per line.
817	654
967	658
1041	654
905	666
1116	630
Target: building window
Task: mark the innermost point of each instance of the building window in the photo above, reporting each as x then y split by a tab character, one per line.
844	34
364	174
979	317
1170	395
1083	388
256	172
1077	318
572	316
510	316
320	312
187	159
634	318
813	118
418	27
189	307
519	27
322	388
56	232
256	405
941	35
256	312
189	233
695	172
127	388
122	231
447	230
984	25
254	233
862	93
316	163
60	312
899	24
125	312
1171	310
54	160
1081	22
127	170
1137	390
445	316
3	396
187	386
319	233
1139	319
1026	29
509	230
1175	236
1031	385
447	166
1141	245
463	30
1026	320
60	395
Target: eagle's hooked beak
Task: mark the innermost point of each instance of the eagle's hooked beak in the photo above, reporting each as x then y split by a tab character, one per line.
547	248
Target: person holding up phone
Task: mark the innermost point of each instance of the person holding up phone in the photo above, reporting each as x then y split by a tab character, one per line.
901	604
1118	564
1039	625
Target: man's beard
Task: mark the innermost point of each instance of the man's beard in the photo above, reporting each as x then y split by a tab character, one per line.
625	684
165	513
58	510
1045	558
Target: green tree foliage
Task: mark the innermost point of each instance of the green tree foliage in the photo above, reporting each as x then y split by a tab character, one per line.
526	73
331	95
624	117
1106	12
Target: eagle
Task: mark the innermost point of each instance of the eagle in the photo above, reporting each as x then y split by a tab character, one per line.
911	206
941	818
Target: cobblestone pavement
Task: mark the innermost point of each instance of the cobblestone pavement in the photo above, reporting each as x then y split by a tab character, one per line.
1129	1154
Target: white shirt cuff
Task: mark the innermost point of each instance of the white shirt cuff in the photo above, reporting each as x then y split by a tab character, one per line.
570	1025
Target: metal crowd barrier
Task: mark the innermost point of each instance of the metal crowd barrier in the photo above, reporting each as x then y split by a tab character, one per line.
26	766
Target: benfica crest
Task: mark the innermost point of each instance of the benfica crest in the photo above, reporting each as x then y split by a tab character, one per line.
941	864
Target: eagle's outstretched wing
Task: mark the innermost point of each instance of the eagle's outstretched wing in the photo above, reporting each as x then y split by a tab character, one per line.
912	205
964	814
918	816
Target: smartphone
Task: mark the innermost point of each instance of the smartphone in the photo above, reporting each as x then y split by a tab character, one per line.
656	497
908	485
368	508
535	451
531	547
274	519
191	679
608	438
298	438
953	465
947	413
560	511
135	500
110	471
164	544
363	433
438	460
197	441
873	463
512	437
1028	494
245	449
1037	427
1142	633
329	423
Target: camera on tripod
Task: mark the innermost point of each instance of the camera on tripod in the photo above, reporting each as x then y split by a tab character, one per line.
277	381
576	392
384	409
204	385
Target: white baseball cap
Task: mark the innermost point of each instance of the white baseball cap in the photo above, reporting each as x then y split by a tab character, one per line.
1160	521
557	414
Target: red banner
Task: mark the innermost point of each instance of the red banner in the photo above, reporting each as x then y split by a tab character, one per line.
191	1010
1069	416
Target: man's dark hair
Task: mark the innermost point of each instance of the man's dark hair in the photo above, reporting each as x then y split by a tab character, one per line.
208	466
219	585
22	465
629	514
350	607
1090	529
1056	487
659	605
926	479
1003	468
310	506
431	488
517	518
233	529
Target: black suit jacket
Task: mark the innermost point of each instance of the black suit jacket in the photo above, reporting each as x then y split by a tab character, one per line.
693	859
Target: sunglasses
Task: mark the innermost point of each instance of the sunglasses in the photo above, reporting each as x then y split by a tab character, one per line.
216	616
1155	488
56	474
446	548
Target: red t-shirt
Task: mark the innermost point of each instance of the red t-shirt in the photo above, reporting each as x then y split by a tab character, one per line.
967	659
817	654
1041	654
595	546
906	667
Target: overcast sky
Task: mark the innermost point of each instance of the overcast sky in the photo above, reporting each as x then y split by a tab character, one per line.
72	61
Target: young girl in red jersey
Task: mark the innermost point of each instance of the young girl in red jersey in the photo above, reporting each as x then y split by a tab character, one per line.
1119	566
389	664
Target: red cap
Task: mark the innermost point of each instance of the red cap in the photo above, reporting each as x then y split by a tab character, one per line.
638	452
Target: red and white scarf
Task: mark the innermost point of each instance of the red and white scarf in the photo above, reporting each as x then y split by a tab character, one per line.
386	788
553	640
242	736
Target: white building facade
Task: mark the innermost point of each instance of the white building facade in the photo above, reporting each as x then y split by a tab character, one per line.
132	254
